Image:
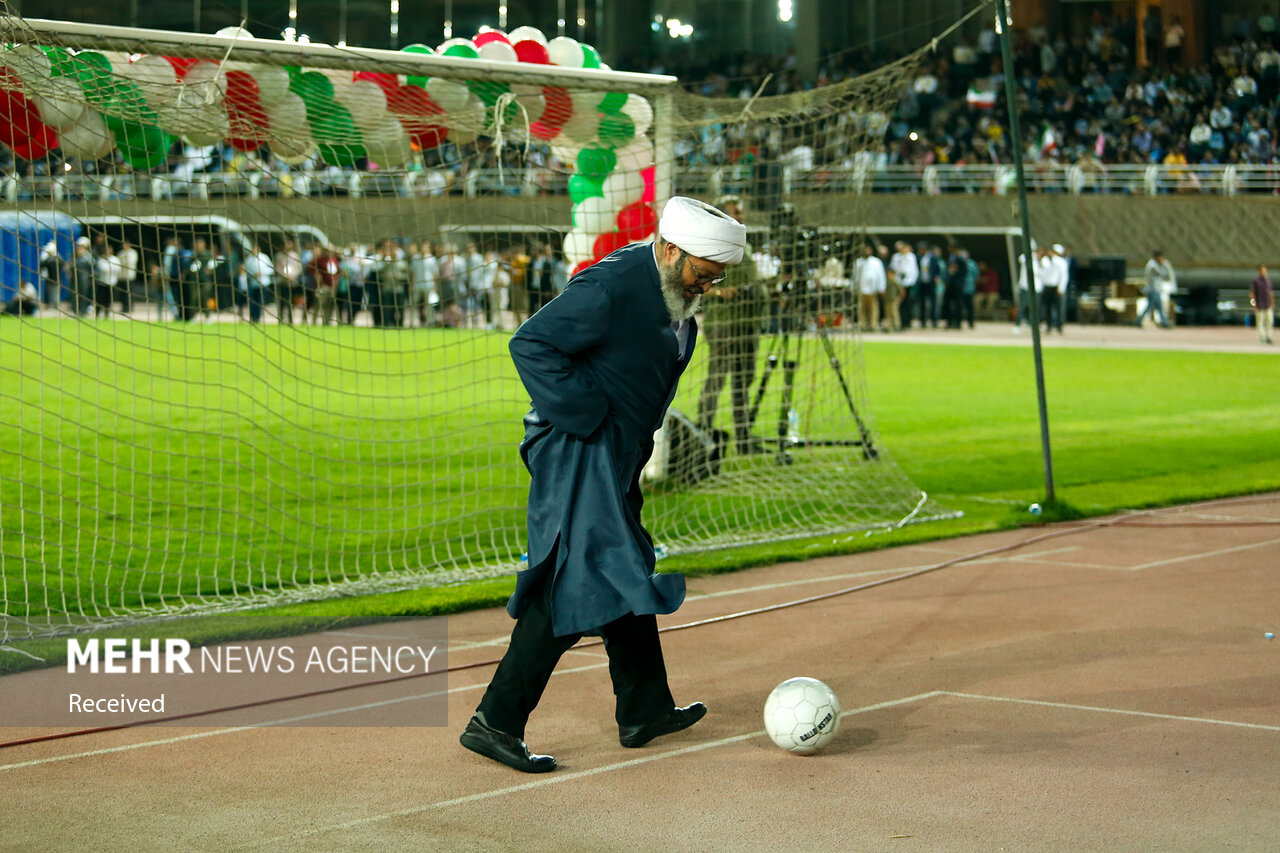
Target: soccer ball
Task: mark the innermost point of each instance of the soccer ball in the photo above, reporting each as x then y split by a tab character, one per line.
801	715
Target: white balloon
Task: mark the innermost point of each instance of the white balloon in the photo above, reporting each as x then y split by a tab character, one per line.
387	144
448	95
622	188
366	101
498	51
88	138
636	155
520	34
64	104
200	124
566	51
565	150
342	81
273	83
582	126
534	105
594	215
29	62
295	150
577	246
157	79
119	62
640	112
234	33
288	118
471	119
204	83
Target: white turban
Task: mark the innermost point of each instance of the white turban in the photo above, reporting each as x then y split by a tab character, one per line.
702	231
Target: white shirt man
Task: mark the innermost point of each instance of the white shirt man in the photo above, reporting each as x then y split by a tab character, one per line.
906	269
869	281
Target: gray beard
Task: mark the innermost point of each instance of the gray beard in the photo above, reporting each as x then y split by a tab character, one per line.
679	308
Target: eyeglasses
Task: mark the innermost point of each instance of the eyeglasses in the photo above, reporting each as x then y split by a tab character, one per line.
703	279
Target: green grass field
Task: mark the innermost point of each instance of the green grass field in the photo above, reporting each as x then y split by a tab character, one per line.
89	413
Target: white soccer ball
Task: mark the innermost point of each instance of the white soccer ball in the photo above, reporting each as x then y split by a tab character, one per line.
801	715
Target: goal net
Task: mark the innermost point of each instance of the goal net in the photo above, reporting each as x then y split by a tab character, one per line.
261	295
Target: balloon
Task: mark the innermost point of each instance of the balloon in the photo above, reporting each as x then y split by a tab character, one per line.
566	151
460	47
488	37
19	120
593	215
418	79
388	83
650	176
341	82
273	83
582	266
314	88
295	151
533	102
93	70
637	220
532	51
61	63
641	113
559	106
533	34
545	132
144	146
577	245
622	188
488	91
635	155
608	243
450	95
62	108
88	139
581	187
248	119
616	130
612	102
203	83
583	126
590	57
38	144
596	163
387	144
288	118
367	103
181	64
565	51
29	62
234	33
414	108
498	51
199	124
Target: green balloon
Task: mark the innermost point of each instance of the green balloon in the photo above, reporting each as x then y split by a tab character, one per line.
93	72
144	146
590	57
336	135
596	163
342	155
487	92
130	101
61	63
418	79
465	51
581	187
612	102
616	130
315	89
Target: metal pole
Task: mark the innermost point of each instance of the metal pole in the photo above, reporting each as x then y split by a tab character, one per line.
1015	141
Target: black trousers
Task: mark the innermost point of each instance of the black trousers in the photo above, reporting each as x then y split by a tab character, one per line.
635	665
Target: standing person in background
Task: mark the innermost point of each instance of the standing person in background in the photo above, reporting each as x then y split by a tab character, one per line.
499	288
477	284
1262	298
969	289
423	272
287	280
988	295
1159	279
953	287
1024	294
906	272
542	285
203	267
925	292
1054	272
257	272
325	269
84	275
601	365
104	283
129	267
51	266
520	262
732	311
868	283
891	298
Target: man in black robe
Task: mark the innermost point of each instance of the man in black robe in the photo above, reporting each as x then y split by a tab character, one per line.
601	362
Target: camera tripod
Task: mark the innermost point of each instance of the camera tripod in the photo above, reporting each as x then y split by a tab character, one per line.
782	342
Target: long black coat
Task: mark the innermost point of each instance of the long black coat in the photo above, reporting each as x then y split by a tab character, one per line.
601	363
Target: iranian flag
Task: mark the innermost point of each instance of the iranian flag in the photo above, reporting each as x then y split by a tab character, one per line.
980	99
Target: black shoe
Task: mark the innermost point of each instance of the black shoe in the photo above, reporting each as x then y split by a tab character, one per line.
500	746
675	720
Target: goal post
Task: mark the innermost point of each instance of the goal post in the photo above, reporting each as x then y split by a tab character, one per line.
265	359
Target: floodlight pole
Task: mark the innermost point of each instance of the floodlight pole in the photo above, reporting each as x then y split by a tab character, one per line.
1015	144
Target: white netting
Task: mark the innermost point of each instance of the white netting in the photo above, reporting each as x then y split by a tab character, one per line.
265	293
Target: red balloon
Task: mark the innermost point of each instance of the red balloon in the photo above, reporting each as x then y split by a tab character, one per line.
545	132
492	35
38	145
19	119
607	243
637	220
650	184
412	105
181	64
389	83
559	106
582	265
248	119
532	51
